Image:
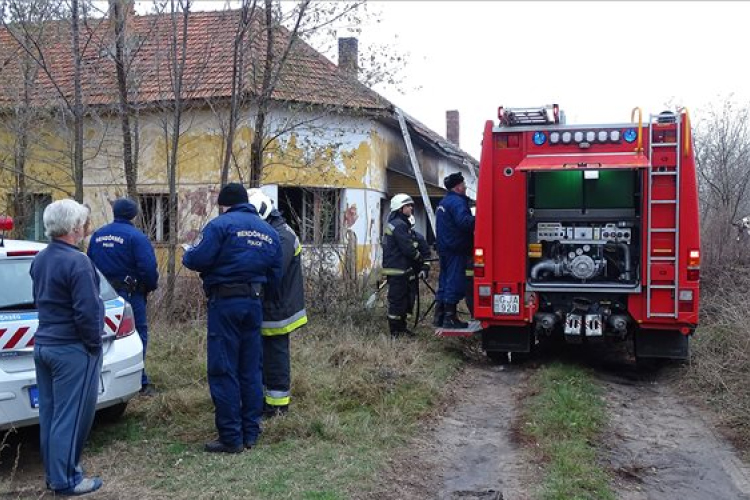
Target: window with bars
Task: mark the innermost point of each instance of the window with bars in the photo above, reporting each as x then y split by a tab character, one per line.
28	211
313	213
155	216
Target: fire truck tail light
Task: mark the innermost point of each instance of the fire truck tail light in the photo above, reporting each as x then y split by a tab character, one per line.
479	257
479	262
694	259
485	290
694	274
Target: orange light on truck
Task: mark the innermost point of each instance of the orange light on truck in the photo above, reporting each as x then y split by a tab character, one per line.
694	259
479	262
694	265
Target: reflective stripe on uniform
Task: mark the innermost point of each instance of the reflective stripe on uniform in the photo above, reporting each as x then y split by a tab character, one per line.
281	327
391	271
389	229
470	272
298	250
277	398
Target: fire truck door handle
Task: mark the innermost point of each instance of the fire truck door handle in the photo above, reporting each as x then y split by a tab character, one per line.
640	126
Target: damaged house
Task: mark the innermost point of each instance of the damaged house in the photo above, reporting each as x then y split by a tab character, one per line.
334	151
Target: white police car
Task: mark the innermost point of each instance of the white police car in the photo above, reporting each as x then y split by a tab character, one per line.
123	351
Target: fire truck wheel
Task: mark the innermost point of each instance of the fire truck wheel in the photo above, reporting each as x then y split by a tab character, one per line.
498	357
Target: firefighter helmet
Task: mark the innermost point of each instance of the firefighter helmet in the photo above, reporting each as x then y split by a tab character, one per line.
400	200
262	203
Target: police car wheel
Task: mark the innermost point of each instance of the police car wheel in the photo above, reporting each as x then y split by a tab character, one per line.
111	414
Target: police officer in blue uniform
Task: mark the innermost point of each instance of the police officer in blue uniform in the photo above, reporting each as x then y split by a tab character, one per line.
124	255
239	258
455	241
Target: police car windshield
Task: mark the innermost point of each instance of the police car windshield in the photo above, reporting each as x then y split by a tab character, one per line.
16	285
15	292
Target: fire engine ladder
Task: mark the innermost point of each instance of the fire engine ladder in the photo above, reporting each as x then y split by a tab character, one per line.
416	169
661	236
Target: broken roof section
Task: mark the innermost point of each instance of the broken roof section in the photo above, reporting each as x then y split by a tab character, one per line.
308	77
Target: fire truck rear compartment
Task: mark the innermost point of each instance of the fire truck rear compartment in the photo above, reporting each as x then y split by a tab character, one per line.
584	250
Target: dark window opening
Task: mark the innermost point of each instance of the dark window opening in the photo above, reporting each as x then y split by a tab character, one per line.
313	213
155	216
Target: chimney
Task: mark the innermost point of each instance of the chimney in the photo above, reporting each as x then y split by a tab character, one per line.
349	56
452	127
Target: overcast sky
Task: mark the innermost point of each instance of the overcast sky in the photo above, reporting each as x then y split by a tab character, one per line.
597	60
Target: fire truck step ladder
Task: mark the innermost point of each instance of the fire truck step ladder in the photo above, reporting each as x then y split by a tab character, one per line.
667	235
416	169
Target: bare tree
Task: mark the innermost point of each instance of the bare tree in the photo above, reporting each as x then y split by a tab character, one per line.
236	99
32	38
722	149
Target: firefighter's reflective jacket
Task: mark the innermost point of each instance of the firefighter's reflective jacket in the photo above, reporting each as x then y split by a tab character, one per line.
287	313
400	246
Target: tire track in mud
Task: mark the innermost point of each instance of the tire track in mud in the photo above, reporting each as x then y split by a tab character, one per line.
660	447
469	452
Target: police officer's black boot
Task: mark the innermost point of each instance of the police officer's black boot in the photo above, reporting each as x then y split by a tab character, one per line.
451	318
437	320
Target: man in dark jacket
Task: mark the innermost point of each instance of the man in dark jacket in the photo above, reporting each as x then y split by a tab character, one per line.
401	263
67	347
455	242
126	258
239	258
283	315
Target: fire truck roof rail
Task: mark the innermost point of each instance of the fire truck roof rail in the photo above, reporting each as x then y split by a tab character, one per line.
542	115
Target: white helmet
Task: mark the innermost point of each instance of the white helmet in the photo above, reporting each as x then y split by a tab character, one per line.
400	200
262	203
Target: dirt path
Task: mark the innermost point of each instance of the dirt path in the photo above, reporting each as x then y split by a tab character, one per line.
662	448
658	447
468	453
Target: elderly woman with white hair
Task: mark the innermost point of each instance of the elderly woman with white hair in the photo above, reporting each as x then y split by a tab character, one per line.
67	347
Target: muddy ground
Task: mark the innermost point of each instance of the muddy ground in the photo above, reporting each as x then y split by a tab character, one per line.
657	447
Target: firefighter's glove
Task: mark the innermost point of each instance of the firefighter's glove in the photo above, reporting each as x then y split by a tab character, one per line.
424	272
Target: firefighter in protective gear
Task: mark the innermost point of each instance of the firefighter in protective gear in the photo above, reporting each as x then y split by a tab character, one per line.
124	255
455	242
239	258
401	263
283	315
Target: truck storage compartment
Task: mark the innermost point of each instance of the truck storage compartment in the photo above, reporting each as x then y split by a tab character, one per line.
583	227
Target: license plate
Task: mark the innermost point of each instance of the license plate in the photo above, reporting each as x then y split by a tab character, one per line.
506	304
34	396
34	393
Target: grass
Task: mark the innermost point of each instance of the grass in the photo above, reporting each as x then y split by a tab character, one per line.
564	417
357	396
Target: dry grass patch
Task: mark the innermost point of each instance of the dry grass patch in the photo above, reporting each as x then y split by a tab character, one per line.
357	395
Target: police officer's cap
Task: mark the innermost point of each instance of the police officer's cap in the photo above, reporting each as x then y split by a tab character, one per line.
124	208
232	194
453	180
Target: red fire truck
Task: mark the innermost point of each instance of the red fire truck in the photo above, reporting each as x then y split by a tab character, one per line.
587	232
